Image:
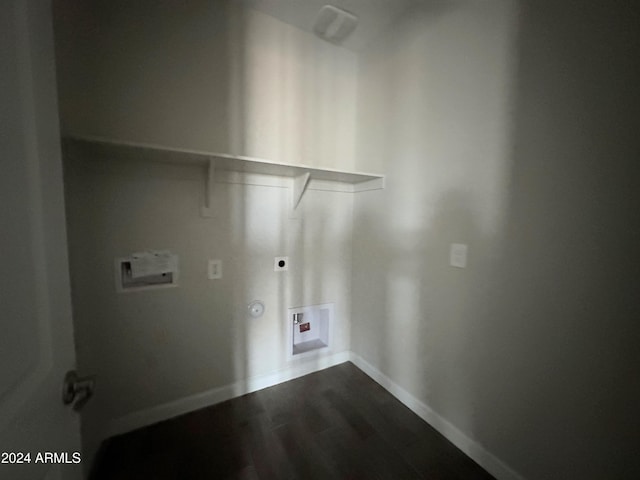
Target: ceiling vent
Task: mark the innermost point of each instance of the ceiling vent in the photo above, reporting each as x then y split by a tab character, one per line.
334	24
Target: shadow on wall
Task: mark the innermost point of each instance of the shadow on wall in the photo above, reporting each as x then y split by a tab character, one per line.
530	351
568	309
423	307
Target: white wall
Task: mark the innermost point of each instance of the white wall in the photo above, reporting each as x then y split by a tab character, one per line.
433	110
204	75
152	347
145	71
523	149
298	99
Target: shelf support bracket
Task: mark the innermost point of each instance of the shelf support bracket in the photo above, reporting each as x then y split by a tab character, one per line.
207	209
300	185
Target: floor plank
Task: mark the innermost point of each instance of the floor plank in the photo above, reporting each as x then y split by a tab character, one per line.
333	424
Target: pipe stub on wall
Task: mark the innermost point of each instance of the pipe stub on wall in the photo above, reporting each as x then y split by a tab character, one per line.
256	309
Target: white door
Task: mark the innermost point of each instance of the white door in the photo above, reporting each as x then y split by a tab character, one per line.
36	333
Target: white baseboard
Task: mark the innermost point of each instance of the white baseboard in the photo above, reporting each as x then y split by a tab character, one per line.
165	411
473	449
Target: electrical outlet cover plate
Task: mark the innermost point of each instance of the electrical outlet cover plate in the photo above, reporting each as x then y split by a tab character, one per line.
458	255
281	264
214	270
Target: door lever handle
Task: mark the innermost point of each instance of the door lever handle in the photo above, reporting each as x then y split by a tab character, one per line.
77	390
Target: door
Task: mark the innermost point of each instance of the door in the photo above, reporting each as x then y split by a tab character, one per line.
36	333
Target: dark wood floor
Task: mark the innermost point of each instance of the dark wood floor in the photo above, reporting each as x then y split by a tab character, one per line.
333	424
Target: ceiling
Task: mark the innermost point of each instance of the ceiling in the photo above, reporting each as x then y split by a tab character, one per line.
374	16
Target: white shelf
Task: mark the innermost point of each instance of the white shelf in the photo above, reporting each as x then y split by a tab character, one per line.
104	148
238	169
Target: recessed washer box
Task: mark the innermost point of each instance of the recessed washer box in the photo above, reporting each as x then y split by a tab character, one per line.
309	328
146	271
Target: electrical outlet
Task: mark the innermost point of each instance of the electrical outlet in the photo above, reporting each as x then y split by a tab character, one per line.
214	270
281	264
458	255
